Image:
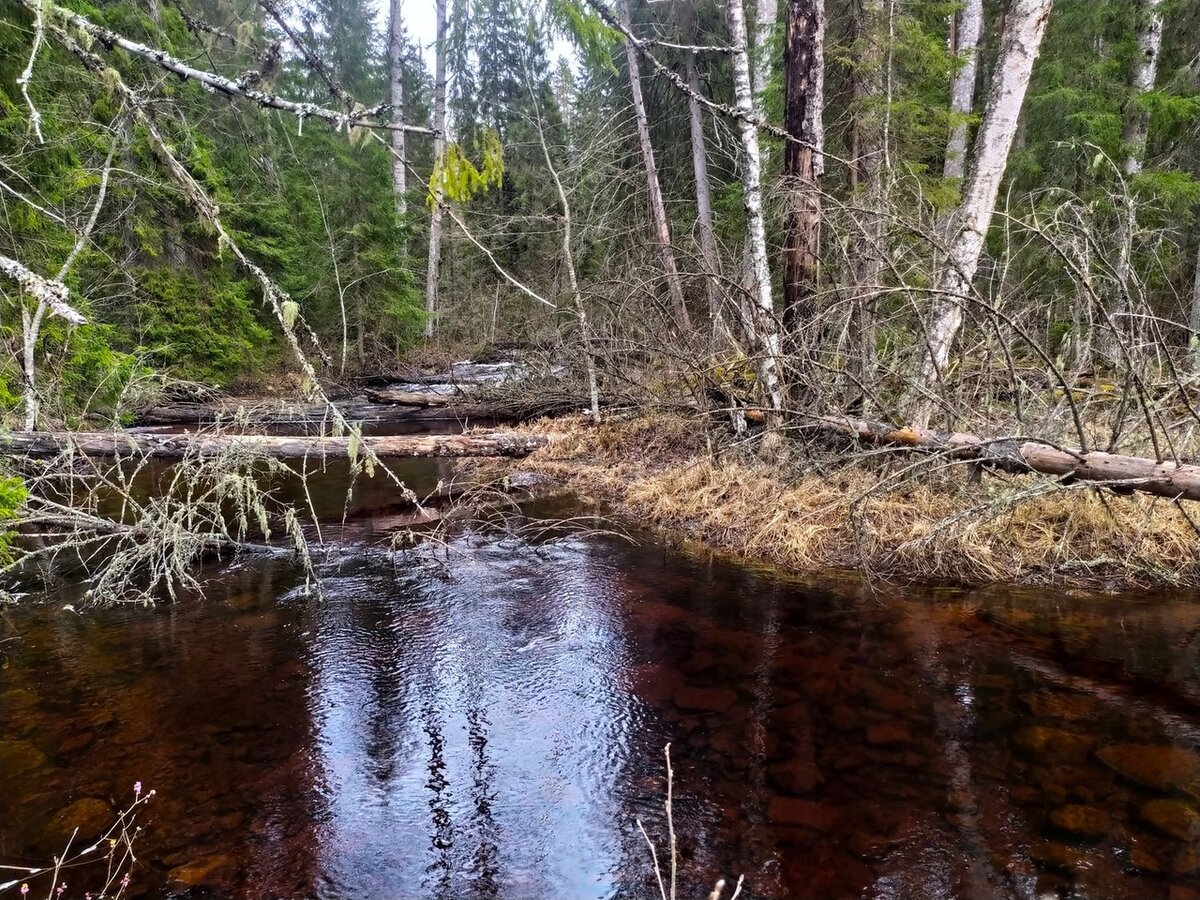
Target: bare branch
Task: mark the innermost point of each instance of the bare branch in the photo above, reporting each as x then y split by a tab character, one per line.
360	117
45	290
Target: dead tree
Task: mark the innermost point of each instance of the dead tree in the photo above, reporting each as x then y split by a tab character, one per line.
803	166
867	175
658	209
396	81
439	148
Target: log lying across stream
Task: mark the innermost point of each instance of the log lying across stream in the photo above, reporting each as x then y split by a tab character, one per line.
1179	481
176	446
300	414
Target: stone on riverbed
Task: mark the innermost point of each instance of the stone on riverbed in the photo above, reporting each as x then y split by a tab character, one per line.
90	815
1160	767
1174	817
18	758
200	871
715	699
1088	821
1053	745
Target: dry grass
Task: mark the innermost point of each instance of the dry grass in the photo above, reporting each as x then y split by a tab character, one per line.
887	514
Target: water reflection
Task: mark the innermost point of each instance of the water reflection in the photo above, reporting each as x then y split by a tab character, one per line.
492	726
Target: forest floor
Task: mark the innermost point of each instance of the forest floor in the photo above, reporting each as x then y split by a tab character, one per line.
886	514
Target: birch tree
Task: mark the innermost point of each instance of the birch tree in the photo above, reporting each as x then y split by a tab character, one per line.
967	27
803	166
1145	71
396	82
439	149
1133	136
1020	44
658	209
767	334
767	13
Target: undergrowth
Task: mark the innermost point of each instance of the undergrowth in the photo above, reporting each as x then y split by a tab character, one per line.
887	514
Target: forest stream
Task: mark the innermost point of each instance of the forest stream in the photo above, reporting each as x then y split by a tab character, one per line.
487	719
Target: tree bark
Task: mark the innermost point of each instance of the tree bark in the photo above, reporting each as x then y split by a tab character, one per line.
869	140
439	148
1194	318
767	344
968	27
1133	135
803	166
1145	71
1131	473
704	215
177	446
1020	44
396	78
765	17
658	209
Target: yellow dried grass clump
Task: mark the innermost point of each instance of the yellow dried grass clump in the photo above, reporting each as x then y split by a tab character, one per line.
891	514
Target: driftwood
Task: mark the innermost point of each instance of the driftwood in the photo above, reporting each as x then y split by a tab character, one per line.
1122	473
175	446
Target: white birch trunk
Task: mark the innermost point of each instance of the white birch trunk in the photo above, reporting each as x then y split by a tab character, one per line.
768	348
439	147
658	209
1145	72
962	89
1133	135
767	14
1020	44
396	79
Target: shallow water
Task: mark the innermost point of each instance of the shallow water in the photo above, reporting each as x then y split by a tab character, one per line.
489	721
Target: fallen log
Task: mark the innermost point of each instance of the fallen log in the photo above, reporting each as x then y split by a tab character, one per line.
411	398
176	446
1123	473
300	414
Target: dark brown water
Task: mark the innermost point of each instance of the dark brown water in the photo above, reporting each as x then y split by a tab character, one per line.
488	721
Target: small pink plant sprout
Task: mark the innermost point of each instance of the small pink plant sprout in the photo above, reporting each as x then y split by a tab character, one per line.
25	890
137	790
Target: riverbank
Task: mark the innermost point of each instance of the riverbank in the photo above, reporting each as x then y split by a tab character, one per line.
886	514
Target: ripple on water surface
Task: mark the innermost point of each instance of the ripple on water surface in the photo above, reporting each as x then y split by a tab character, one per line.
490	723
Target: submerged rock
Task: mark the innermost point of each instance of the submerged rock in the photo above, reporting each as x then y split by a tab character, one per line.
1088	821
717	699
1053	745
1174	817
1054	855
1157	766
19	758
807	813
796	776
200	871
86	819
888	733
1053	705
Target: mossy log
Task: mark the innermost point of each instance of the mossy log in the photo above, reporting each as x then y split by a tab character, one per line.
176	446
